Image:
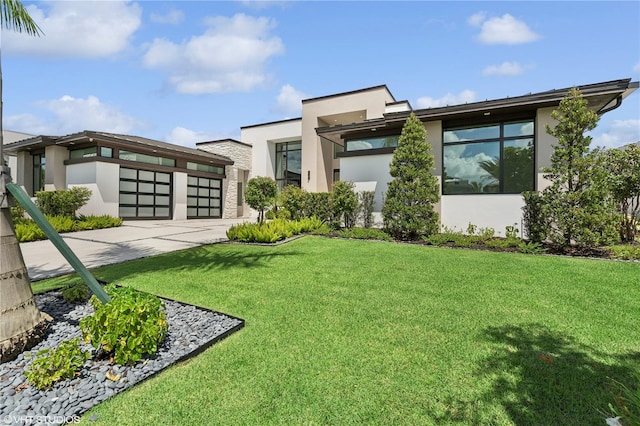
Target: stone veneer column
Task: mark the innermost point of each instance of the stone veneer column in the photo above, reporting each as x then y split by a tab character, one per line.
240	154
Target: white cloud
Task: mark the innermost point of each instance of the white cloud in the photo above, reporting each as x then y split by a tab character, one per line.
289	101
77	29
173	17
477	18
636	67
466	96
503	30
505	68
69	115
229	56
189	138
619	133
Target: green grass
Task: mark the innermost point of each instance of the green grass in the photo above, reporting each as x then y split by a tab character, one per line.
356	332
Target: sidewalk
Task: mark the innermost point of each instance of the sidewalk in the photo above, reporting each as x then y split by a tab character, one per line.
132	240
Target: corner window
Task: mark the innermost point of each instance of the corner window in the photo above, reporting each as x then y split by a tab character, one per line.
205	168
494	159
288	165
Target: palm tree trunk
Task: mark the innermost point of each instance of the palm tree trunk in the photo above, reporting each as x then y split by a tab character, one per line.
21	322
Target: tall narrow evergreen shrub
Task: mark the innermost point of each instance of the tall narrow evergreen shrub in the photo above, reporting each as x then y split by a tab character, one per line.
408	211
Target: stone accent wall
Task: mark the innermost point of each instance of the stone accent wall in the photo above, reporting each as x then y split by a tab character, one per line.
240	154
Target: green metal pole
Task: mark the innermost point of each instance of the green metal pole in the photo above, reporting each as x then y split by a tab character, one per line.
24	200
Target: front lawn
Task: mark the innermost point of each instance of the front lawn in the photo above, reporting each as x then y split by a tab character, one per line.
357	332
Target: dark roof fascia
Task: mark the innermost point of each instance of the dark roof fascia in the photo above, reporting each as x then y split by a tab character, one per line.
363	125
144	143
271	123
219	141
537	100
26	144
353	92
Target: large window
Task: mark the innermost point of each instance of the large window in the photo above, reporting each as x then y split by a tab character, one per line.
496	158
145	158
390	141
288	163
39	165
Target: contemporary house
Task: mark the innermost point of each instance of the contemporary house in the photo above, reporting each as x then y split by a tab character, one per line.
486	154
130	176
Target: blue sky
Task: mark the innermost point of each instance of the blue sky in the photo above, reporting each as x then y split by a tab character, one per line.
189	71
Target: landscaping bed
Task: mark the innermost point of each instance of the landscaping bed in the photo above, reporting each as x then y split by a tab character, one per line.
191	330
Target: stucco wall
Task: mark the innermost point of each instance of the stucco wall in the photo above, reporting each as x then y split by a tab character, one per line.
544	145
263	139
487	211
103	181
316	155
179	205
55	172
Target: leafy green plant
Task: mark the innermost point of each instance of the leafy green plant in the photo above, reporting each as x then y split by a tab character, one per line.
131	325
294	199
273	231
65	202
486	233
344	202
511	231
53	365
626	252
260	194
76	292
531	248
318	204
28	230
471	229
364	234
536	222
366	199
62	223
97	222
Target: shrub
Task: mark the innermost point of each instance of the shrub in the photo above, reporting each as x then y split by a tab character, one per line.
65	202
408	211
131	325
366	207
294	199
511	231
53	365
274	231
364	234
76	292
62	223
626	252
531	248
536	224
18	214
319	205
344	202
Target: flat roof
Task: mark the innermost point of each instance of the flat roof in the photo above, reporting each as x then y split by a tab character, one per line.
352	92
286	120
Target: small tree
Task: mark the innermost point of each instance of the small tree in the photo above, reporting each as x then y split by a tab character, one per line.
294	200
623	180
367	201
345	203
576	202
260	194
408	211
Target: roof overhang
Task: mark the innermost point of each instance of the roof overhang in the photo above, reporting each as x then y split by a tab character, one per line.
602	97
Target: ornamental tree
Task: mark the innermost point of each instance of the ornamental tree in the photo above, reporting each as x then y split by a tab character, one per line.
576	203
260	193
408	211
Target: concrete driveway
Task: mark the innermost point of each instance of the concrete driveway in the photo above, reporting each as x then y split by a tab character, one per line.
132	240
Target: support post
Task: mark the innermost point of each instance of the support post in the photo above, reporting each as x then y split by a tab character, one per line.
23	199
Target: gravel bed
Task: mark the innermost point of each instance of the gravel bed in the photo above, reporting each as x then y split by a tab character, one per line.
191	330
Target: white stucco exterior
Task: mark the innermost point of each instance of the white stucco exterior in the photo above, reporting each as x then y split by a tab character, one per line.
484	211
103	181
263	138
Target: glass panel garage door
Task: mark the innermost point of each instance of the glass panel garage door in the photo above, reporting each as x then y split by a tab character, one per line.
204	197
145	194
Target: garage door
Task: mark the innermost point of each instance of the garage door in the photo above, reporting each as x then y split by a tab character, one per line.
145	194
204	197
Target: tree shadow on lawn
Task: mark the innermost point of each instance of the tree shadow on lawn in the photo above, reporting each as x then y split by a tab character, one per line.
540	377
204	259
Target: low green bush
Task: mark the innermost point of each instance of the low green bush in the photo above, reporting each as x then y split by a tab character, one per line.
76	292
97	222
65	202
28	230
273	231
53	365
625	252
128	327
531	248
364	234
62	223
